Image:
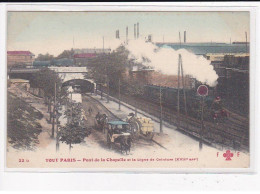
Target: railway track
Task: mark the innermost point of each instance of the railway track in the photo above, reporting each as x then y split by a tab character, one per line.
234	132
234	121
99	107
229	130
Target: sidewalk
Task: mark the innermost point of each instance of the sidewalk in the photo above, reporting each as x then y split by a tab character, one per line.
126	109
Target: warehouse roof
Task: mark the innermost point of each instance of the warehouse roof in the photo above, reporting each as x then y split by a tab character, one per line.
203	48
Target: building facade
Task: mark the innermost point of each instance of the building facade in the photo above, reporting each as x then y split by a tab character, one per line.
20	58
83	58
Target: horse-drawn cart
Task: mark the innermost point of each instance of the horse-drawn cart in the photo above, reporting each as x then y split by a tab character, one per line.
118	134
141	126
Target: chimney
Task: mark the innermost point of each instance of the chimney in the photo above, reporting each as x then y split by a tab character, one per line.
126	34
246	41
180	37
117	34
137	30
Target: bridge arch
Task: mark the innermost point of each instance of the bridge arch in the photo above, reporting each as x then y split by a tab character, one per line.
86	85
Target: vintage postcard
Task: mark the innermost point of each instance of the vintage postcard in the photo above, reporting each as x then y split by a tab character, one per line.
126	90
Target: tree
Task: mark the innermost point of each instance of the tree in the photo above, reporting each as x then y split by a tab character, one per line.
75	130
46	79
66	54
109	67
46	57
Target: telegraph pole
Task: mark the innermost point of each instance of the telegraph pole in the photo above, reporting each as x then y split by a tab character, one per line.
202	122
203	92
53	112
180	38
161	115
178	99
183	85
57	128
107	87
57	118
119	95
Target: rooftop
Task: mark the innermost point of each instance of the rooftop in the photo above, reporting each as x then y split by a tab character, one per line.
20	53
204	48
85	55
92	50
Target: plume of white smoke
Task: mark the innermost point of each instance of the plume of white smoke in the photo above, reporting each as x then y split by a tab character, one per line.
166	60
113	44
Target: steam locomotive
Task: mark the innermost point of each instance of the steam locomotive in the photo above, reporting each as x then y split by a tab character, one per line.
213	108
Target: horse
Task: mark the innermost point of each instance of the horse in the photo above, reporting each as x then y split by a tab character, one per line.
102	121
125	143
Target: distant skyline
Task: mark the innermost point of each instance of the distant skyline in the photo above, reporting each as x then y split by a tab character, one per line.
53	32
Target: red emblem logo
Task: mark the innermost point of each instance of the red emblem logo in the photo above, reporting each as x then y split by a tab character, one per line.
228	155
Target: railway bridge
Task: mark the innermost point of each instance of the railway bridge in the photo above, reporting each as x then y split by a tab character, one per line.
69	75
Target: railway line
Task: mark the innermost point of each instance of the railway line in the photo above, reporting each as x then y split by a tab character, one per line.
229	132
96	106
97	136
234	132
88	101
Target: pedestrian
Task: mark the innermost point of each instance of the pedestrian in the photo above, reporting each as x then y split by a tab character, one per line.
90	110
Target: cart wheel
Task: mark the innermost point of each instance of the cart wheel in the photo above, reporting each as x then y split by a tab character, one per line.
149	135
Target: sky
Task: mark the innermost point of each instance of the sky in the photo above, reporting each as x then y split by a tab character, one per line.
53	32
